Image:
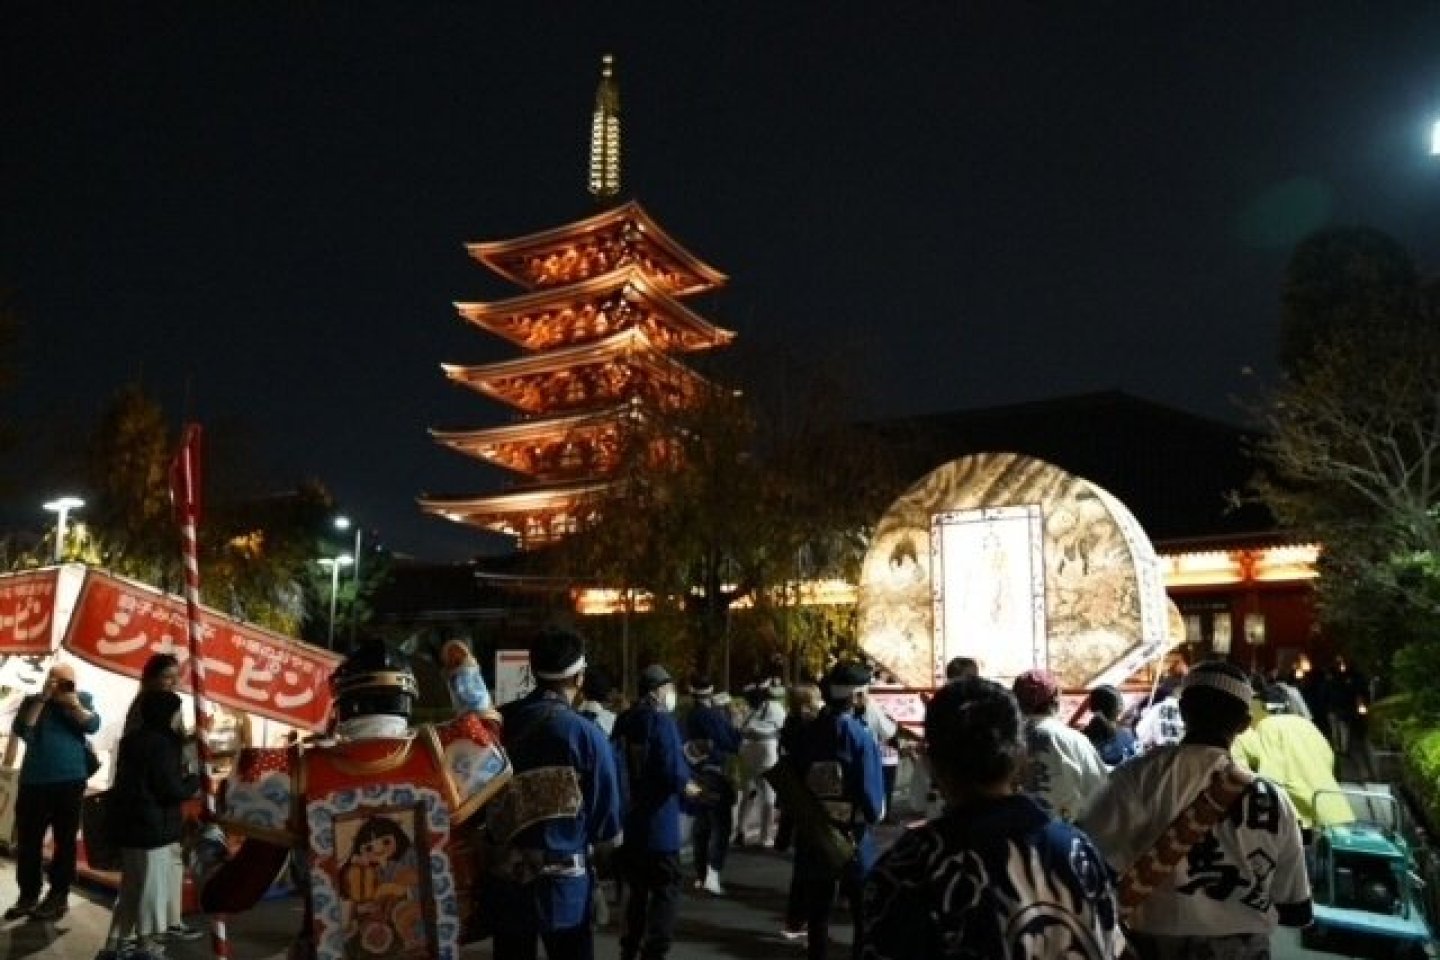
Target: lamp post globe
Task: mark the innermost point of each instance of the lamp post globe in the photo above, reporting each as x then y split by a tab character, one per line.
61	507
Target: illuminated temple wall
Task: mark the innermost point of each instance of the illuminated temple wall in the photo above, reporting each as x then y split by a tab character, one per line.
1016	563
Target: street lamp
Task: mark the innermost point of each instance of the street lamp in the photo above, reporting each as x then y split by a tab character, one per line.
334	564
61	507
343	523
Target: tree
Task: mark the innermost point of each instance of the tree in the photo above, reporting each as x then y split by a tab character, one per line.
681	521
1351	454
128	468
258	560
730	499
257	550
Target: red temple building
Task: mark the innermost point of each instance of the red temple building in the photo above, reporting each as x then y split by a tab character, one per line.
604	329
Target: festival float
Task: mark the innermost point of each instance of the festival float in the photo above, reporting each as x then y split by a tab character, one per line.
1015	563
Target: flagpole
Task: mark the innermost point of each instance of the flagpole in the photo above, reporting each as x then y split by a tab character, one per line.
186	494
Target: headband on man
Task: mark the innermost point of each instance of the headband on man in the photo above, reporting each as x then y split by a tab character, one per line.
1219	680
565	674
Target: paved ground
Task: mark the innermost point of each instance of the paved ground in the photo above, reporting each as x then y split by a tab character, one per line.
744	924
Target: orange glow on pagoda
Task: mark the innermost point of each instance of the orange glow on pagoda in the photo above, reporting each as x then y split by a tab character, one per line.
603	329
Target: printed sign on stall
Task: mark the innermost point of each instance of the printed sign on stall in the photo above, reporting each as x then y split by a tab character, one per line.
118	625
906	707
513	678
27	605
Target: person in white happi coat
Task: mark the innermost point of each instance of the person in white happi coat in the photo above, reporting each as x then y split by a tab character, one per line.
1245	876
758	753
1064	768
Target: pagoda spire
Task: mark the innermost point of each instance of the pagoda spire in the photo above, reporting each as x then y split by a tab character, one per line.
605	134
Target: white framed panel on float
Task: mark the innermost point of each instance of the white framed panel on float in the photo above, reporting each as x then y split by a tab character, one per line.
988	583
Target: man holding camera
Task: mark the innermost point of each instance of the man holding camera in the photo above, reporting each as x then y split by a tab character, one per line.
53	724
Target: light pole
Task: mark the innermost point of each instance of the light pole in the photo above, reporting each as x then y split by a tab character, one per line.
334	564
343	523
61	507
727	565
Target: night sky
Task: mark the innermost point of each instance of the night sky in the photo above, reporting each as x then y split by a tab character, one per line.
963	204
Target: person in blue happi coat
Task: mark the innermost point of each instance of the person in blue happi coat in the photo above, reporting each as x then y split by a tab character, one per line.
838	760
647	739
560	814
711	745
998	874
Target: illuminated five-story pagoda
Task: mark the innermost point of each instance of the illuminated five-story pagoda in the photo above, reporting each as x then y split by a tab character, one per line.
603	325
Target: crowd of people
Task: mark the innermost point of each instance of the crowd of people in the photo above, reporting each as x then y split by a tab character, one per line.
1046	839
154	776
1171	830
642	770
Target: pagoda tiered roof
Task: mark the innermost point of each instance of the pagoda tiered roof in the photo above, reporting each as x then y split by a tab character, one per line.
591	309
543	448
619	237
533	515
624	366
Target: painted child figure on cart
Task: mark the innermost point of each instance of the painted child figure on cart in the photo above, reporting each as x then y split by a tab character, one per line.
380	884
381	816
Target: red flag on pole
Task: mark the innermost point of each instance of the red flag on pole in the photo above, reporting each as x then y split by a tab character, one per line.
185	494
185	476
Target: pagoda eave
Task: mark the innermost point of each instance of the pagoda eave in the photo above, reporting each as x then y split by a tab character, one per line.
533	429
536	393
526	382
549	446
497	254
631	342
506	318
518	500
534	515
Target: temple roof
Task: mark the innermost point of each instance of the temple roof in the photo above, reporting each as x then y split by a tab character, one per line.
537	428
539	320
517	446
613	238
518	500
529	382
508	512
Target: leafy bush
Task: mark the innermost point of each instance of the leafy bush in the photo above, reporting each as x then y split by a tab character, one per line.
1416	667
1420	746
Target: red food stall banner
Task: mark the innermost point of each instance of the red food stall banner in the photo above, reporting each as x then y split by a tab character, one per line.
27	611
118	625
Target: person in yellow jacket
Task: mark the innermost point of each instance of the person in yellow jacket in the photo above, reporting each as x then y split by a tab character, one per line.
1290	751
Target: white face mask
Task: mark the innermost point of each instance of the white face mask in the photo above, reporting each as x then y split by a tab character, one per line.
667	700
373	726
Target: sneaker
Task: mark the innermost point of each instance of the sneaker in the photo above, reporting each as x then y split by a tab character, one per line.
712	883
790	933
122	953
23	908
51	908
180	931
